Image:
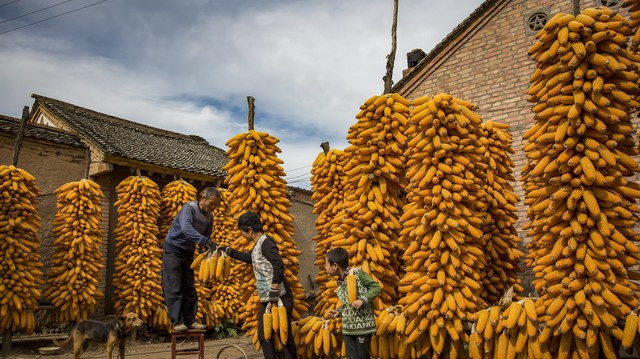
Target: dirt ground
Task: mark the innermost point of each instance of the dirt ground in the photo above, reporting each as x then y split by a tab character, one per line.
140	350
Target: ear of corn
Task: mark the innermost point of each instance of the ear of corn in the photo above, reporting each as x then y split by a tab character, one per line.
283	327
352	290
73	289
267	322
581	206
20	267
138	265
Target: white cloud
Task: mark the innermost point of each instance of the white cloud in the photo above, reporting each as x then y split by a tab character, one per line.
309	64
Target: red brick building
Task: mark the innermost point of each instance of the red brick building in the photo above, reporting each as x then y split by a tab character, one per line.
484	60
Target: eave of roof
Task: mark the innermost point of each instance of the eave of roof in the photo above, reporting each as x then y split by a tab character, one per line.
11	126
118	137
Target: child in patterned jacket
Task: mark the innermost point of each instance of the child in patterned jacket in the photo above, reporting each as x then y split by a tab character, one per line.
358	323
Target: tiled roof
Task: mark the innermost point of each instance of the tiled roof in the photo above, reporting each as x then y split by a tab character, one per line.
11	126
118	137
479	11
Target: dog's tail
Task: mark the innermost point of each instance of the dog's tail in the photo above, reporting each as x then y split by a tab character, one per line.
62	343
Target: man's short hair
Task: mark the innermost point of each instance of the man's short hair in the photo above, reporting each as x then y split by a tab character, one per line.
338	256
210	192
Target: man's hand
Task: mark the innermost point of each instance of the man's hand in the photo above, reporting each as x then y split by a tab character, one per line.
211	245
274	294
333	313
357	304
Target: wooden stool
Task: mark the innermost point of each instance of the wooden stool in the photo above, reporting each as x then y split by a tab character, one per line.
198	333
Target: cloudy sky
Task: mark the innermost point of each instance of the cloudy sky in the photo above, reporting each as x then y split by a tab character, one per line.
188	65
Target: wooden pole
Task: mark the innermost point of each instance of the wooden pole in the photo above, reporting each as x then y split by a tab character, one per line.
576	7
325	147
252	111
87	163
6	343
23	124
388	78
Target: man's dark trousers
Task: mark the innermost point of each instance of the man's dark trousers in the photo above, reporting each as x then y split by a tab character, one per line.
179	288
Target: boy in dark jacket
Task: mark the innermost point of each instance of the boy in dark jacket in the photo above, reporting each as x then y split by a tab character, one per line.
271	283
358	323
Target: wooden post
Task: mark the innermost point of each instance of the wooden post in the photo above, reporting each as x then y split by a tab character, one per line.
252	111
23	124
325	147
388	78
6	343
576	7
87	163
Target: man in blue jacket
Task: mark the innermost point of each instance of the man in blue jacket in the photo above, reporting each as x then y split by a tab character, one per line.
192	225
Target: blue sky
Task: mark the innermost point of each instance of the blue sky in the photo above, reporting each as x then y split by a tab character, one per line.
188	65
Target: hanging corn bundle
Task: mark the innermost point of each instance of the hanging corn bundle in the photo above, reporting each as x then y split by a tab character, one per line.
174	195
326	183
316	337
255	181
137	278
77	260
441	224
501	251
507	330
20	264
582	209
368	224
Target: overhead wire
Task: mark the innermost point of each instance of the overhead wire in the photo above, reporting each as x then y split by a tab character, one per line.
36	11
298	176
53	17
300	180
299	168
10	2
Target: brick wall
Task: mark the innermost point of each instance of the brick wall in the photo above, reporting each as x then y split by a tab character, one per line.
303	232
489	66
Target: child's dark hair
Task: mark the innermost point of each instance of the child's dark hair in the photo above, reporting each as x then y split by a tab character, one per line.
250	220
338	256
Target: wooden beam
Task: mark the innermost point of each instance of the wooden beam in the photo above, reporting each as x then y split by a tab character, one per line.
23	124
391	59
252	111
87	163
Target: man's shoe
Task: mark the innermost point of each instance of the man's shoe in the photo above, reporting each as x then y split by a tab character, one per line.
180	328
197	326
